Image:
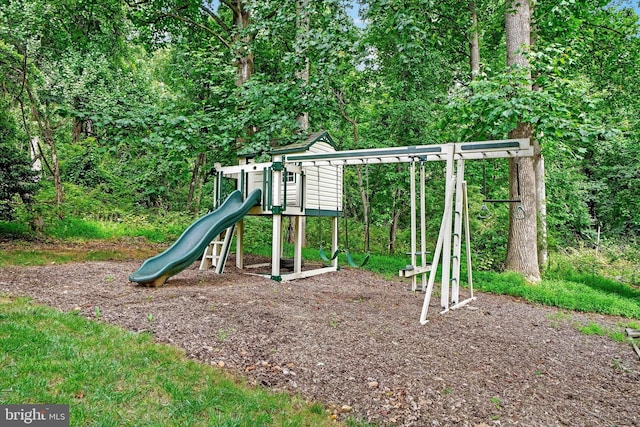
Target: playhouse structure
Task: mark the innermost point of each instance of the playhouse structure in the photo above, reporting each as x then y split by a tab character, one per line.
306	179
288	190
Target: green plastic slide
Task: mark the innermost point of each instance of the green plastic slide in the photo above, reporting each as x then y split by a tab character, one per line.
191	244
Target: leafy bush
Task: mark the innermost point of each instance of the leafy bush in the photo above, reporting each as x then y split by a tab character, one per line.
16	176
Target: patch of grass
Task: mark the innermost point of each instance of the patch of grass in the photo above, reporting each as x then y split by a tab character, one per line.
618	262
592	328
35	257
161	231
496	402
617	334
111	377
26	257
556	318
582	293
387	265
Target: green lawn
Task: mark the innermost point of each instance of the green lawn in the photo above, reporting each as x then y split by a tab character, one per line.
111	377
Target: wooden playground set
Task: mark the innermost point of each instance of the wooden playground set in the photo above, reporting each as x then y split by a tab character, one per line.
306	180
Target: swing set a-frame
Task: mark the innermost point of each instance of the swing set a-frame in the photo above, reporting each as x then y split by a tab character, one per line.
305	180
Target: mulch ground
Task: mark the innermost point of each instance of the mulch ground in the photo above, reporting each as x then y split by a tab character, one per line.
352	341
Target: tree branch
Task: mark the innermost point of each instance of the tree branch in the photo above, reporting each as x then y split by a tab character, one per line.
620	33
199	25
136	3
216	18
231	6
36	115
343	113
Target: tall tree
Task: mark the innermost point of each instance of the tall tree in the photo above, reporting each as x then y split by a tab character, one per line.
522	247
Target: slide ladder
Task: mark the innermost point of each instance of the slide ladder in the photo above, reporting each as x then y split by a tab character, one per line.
215	256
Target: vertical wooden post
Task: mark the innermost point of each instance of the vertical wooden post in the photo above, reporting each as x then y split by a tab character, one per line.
467	236
335	237
457	234
297	256
412	196
442	236
334	240
276	202
446	248
240	244
423	225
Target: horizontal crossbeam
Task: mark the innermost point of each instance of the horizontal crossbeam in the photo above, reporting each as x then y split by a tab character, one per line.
437	152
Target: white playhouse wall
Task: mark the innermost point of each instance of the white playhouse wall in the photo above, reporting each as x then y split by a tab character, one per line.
323	188
322	192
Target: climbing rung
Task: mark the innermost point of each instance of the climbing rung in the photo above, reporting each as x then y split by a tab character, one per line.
215	254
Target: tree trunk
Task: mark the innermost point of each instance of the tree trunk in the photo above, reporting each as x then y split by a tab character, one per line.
364	197
201	178
244	61
541	191
44	126
474	43
522	248
302	26
541	197
195	174
393	227
302	74
57	180
522	245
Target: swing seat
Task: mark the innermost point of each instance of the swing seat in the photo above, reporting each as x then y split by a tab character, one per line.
324	256
352	263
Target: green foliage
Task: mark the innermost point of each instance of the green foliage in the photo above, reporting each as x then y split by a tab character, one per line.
16	177
160	229
84	165
614	165
112	377
568	218
95	214
258	235
14	231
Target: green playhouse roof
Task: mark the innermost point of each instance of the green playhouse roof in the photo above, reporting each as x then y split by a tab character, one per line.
297	147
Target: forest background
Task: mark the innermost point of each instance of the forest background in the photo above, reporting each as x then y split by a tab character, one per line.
115	111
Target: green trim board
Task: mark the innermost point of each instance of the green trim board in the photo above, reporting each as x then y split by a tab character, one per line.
489	145
323	212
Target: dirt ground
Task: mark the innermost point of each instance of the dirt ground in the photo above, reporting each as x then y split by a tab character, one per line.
352	341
